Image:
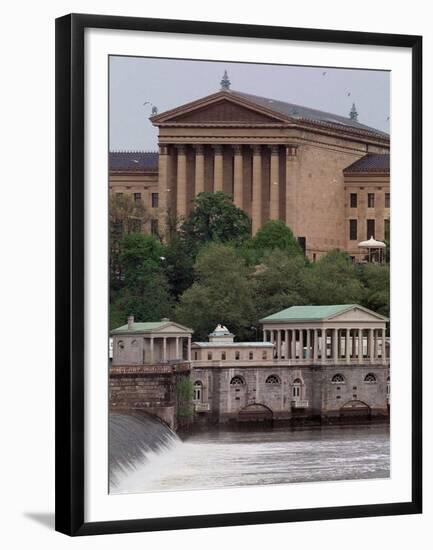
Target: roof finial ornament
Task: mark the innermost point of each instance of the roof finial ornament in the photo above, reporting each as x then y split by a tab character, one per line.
225	82
353	113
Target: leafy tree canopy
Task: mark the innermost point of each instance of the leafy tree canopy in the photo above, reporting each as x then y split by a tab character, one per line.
275	234
215	218
135	250
333	280
375	279
279	283
222	293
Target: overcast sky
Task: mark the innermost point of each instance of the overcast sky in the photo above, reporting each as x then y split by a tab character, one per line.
168	83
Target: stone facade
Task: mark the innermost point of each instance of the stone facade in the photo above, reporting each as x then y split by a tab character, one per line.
322	363
277	161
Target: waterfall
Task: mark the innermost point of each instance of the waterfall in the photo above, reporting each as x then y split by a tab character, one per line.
131	438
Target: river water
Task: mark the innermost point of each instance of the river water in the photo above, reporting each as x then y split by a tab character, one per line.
224	458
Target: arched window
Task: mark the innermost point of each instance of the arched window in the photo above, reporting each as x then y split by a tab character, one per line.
273	379
198	387
370	378
134	343
121	344
237	381
338	379
297	387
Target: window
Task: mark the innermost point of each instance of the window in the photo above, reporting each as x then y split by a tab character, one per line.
353	200
370	200
387	230
387	200
251	355
296	387
272	379
353	230
371	226
209	356
196	355
303	244
223	356
134	343
370	378
137	197
237	381
198	387
338	379
155	200
264	355
121	344
154	227
237	355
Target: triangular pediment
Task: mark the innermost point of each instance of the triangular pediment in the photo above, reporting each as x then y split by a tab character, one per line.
357	314
221	108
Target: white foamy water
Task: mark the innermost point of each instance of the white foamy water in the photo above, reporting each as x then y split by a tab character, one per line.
217	459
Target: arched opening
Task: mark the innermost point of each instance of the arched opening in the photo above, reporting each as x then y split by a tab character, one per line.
197	391
355	408
273	380
255	412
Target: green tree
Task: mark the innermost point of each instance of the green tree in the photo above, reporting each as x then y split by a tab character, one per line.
221	293
275	234
215	218
126	216
375	279
184	396
146	296
178	265
137	249
333	280
279	282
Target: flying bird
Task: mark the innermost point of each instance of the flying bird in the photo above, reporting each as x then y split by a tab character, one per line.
348	94
324	72
146	102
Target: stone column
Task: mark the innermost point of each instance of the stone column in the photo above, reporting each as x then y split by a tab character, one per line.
335	345
370	345
151	350
353	346
287	341
177	347
315	345
164	349
199	169
346	345
360	346
189	348
163	187
293	344
238	179
274	192
218	168
279	344
383	345
256	211
308	354
181	180
291	168
264	335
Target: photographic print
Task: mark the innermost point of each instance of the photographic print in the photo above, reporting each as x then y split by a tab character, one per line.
249	262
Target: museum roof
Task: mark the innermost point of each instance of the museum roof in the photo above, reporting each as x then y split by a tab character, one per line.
371	162
306	113
307	313
150	326
130	161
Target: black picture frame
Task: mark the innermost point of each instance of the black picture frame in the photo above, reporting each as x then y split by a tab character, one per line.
70	282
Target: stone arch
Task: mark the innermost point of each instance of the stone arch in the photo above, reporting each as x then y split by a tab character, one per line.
255	412
355	407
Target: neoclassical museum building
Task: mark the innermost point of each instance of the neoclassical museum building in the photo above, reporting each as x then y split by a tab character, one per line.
326	176
315	362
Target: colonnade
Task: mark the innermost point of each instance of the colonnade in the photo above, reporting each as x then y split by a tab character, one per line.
238	151
163	351
330	344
